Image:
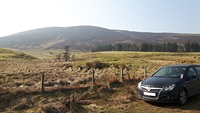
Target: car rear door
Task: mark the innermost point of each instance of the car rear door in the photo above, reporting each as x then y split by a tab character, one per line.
192	82
198	77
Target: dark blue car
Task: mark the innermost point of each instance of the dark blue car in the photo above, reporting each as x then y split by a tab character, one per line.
171	84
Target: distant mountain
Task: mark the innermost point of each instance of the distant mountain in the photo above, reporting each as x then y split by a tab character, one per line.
86	38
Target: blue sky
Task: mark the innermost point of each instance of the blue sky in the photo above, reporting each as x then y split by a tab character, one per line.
178	16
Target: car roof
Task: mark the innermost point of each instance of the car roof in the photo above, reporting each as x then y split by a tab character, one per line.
183	65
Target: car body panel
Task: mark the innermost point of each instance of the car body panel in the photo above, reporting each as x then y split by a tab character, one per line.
159	81
152	89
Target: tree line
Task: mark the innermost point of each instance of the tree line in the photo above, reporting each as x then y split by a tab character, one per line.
150	47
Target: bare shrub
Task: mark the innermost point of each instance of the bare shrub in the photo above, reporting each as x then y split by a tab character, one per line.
52	108
114	81
5	99
96	65
20	105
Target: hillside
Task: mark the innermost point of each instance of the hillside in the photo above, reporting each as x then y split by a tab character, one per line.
6	54
85	38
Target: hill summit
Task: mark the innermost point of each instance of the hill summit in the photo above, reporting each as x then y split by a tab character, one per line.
86	38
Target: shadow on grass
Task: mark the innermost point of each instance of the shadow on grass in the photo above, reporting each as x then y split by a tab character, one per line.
193	103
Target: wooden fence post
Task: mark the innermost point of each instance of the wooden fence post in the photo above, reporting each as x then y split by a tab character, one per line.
93	79
42	82
145	71
122	74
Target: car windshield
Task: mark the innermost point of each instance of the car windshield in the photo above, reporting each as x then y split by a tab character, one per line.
172	72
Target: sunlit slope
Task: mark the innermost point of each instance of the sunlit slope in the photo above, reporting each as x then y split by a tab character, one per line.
6	54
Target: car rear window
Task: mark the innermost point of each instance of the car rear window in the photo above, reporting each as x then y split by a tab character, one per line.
198	70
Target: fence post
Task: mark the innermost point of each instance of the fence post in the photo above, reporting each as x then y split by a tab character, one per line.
129	78
42	82
145	71
122	74
93	79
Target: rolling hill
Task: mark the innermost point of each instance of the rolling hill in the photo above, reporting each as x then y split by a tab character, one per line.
86	38
6	54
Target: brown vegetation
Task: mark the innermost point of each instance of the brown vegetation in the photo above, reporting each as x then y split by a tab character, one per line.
69	88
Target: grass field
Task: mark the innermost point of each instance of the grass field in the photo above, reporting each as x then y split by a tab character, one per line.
68	85
6	54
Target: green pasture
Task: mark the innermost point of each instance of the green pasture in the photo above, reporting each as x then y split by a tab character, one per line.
141	58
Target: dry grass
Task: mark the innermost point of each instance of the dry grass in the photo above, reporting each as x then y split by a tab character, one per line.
20	83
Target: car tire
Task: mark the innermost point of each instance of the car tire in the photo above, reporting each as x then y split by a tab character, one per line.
182	97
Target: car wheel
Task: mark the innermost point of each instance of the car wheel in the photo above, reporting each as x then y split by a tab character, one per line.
182	98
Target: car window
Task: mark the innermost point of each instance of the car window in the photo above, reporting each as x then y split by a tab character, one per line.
170	72
198	70
191	72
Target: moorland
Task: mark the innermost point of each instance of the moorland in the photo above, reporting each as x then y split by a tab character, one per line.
88	82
